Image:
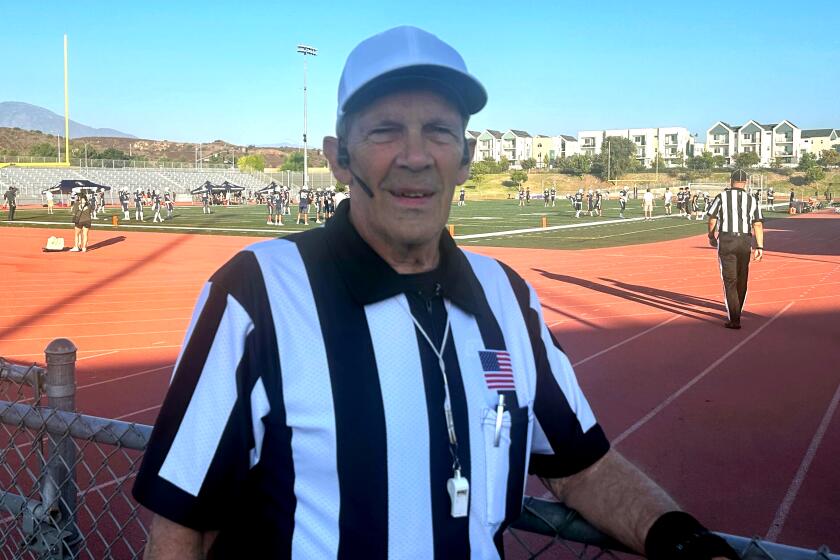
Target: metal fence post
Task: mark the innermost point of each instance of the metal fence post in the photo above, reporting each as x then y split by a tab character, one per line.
60	489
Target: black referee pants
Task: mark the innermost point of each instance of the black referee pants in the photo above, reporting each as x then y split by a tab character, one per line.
734	255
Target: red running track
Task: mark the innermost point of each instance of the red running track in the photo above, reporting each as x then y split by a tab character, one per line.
740	426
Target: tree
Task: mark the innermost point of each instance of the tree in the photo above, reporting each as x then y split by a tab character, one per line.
518	177
44	149
658	162
546	161
814	174
718	161
829	158
252	162
294	162
746	160
503	165
679	159
528	164
617	157
109	153
806	162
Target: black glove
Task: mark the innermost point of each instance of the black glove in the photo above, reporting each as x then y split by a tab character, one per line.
712	240
676	535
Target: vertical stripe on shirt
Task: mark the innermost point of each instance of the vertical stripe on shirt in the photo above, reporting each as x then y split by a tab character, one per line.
313	442
212	400
361	439
450	535
410	504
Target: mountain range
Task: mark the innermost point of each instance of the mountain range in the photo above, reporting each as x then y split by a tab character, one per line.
16	114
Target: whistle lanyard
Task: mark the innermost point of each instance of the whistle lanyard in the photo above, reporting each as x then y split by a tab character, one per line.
447	402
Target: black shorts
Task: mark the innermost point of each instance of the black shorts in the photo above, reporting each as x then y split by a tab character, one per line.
82	224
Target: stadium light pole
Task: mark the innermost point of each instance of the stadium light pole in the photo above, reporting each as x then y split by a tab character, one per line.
311	51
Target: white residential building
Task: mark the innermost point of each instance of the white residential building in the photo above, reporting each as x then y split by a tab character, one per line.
721	140
675	143
669	141
589	141
777	142
814	141
489	146
516	146
546	148
569	146
473	135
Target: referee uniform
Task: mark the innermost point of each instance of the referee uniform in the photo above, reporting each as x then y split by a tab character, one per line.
734	214
318	430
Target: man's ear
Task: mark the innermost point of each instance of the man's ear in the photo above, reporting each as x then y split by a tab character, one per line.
464	171
331	152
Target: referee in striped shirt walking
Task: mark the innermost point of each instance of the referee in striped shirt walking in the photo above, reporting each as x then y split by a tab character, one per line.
394	409
734	215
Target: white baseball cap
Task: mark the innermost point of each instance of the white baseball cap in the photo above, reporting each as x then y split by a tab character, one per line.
405	56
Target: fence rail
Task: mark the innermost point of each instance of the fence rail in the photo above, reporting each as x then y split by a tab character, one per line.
65	483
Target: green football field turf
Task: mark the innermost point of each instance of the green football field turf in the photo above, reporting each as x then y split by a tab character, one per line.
477	217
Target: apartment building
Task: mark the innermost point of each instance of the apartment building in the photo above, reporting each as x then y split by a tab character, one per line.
670	142
569	146
516	146
814	141
473	135
489	146
589	141
543	149
777	142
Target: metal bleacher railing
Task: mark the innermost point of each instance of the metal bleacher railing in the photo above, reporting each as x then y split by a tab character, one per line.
66	477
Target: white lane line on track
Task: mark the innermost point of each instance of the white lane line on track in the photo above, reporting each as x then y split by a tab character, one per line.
674	396
626	340
108	353
98	335
63	325
136	412
121	378
99	312
128	349
790	496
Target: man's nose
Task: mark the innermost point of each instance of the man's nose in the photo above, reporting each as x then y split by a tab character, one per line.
415	154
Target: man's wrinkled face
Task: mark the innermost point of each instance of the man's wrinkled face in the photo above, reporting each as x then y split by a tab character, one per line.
407	147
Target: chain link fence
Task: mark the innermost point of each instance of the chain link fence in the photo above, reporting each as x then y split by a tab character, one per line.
66	477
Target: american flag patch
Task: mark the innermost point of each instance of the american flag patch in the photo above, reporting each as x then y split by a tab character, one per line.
497	370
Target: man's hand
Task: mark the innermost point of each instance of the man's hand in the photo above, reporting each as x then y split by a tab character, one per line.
713	240
758	254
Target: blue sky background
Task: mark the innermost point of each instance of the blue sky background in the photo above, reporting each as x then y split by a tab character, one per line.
198	71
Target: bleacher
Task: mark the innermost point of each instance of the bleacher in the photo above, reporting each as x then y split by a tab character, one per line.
32	181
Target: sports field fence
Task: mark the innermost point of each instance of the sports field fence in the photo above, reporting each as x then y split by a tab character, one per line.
66	477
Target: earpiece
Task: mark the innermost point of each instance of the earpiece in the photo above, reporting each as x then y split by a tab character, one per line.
343	155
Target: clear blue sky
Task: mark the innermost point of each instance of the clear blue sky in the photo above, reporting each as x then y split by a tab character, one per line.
198	71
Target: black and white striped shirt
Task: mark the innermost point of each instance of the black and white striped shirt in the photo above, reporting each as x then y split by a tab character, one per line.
735	210
305	415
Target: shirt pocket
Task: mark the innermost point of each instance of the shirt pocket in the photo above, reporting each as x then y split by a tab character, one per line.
514	428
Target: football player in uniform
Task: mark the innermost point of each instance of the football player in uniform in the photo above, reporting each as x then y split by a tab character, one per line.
156	203
169	202
462	195
622	202
553	194
303	207
124	204
545	197
578	203
138	205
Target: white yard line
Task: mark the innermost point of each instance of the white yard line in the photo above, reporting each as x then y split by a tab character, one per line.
549	228
138	226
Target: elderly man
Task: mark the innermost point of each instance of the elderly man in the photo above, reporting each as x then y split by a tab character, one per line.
395	410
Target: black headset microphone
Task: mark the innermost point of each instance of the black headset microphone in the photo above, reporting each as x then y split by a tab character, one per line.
344	162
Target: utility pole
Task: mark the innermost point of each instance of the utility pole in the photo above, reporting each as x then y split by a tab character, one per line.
609	160
311	51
